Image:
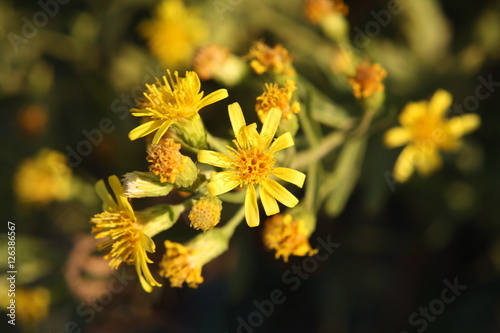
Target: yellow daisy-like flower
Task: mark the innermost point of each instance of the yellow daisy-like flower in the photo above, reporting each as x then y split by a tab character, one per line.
175	100
367	80
174	33
264	58
43	179
425	131
287	237
316	10
126	241
276	97
252	163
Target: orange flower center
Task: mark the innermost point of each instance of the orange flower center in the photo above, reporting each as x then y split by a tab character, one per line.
253	164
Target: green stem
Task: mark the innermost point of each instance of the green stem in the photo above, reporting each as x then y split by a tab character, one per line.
217	143
230	226
313	155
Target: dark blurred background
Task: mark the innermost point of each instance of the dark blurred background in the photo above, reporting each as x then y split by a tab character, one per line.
399	243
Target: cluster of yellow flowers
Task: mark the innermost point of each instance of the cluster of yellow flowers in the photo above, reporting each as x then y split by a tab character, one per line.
209	173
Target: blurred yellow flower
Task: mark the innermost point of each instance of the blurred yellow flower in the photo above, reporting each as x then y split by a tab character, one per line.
287	237
43	179
175	100
32	304
425	131
367	80
124	238
208	59
316	10
264	58
174	32
252	163
276	97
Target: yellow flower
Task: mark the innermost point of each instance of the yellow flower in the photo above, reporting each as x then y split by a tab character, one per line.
182	263
209	59
425	131
126	241
166	159
287	237
172	102
367	80
179	265
276	97
252	163
316	10
43	179
32	304
205	213
174	33
264	58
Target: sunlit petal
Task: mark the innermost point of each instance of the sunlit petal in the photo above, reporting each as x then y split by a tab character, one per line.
214	158
270	125
236	117
144	129
281	194
213	97
220	184
251	208
282	142
290	175
270	205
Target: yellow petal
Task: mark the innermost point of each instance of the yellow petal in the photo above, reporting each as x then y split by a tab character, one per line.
270	125
214	158
280	193
222	182
236	117
161	131
251	208
108	203
461	125
397	136
270	205
440	102
147	243
404	166
282	142
430	162
213	98
121	199
144	129
290	175
412	112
